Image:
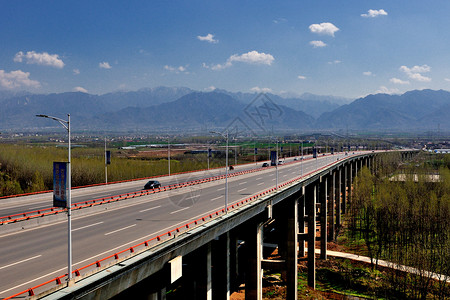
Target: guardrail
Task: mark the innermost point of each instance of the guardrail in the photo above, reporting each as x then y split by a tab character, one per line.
89	203
117	257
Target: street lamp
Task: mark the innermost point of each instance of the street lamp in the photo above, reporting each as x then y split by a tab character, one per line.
276	167
168	152
226	169
66	125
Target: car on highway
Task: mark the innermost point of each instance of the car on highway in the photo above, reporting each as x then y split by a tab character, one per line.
265	165
152	184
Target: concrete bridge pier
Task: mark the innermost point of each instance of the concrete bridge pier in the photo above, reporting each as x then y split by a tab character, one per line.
338	200
221	266
301	223
253	272
311	207
323	195
344	189
331	205
287	221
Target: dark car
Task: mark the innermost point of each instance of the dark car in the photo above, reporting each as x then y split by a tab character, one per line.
152	184
265	165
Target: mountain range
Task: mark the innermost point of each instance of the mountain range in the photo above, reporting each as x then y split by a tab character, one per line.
182	109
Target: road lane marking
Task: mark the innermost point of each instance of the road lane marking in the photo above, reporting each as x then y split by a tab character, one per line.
174	212
242	190
221	189
242	183
213	199
150	208
39	207
260	183
86	226
120	229
259	178
18	262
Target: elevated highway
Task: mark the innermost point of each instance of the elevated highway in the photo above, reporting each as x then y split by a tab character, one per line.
159	224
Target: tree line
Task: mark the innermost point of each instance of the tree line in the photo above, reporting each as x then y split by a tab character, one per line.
401	212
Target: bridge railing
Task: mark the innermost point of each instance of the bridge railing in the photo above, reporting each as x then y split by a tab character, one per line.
117	257
89	203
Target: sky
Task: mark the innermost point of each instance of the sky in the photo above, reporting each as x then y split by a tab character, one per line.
348	48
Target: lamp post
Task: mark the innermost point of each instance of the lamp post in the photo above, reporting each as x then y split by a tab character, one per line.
301	165
168	152
66	125
106	164
276	167
226	169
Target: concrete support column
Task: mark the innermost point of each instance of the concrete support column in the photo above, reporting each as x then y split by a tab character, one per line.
291	250
208	272
323	194
344	190
311	192
221	267
253	274
301	222
331	205
350	182
234	261
338	198
160	295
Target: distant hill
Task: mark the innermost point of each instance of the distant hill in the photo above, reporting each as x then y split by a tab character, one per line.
197	111
414	110
182	109
314	105
144	97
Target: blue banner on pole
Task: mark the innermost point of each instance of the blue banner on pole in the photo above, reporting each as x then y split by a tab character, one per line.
273	158
108	157
256	150
60	184
209	152
314	152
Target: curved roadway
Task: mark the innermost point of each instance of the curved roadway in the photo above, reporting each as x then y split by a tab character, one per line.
32	256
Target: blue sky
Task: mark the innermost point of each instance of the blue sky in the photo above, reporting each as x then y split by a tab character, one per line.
343	48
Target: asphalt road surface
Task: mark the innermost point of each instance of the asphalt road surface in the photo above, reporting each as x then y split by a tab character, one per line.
32	256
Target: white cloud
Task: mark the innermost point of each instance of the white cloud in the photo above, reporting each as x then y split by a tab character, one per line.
43	59
80	89
210	88
301	77
415	72
104	65
447	79
334	62
372	13
208	38
317	44
252	57
398	81
180	69
323	28
280	20
385	90
17	79
257	89
76	72
368	73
